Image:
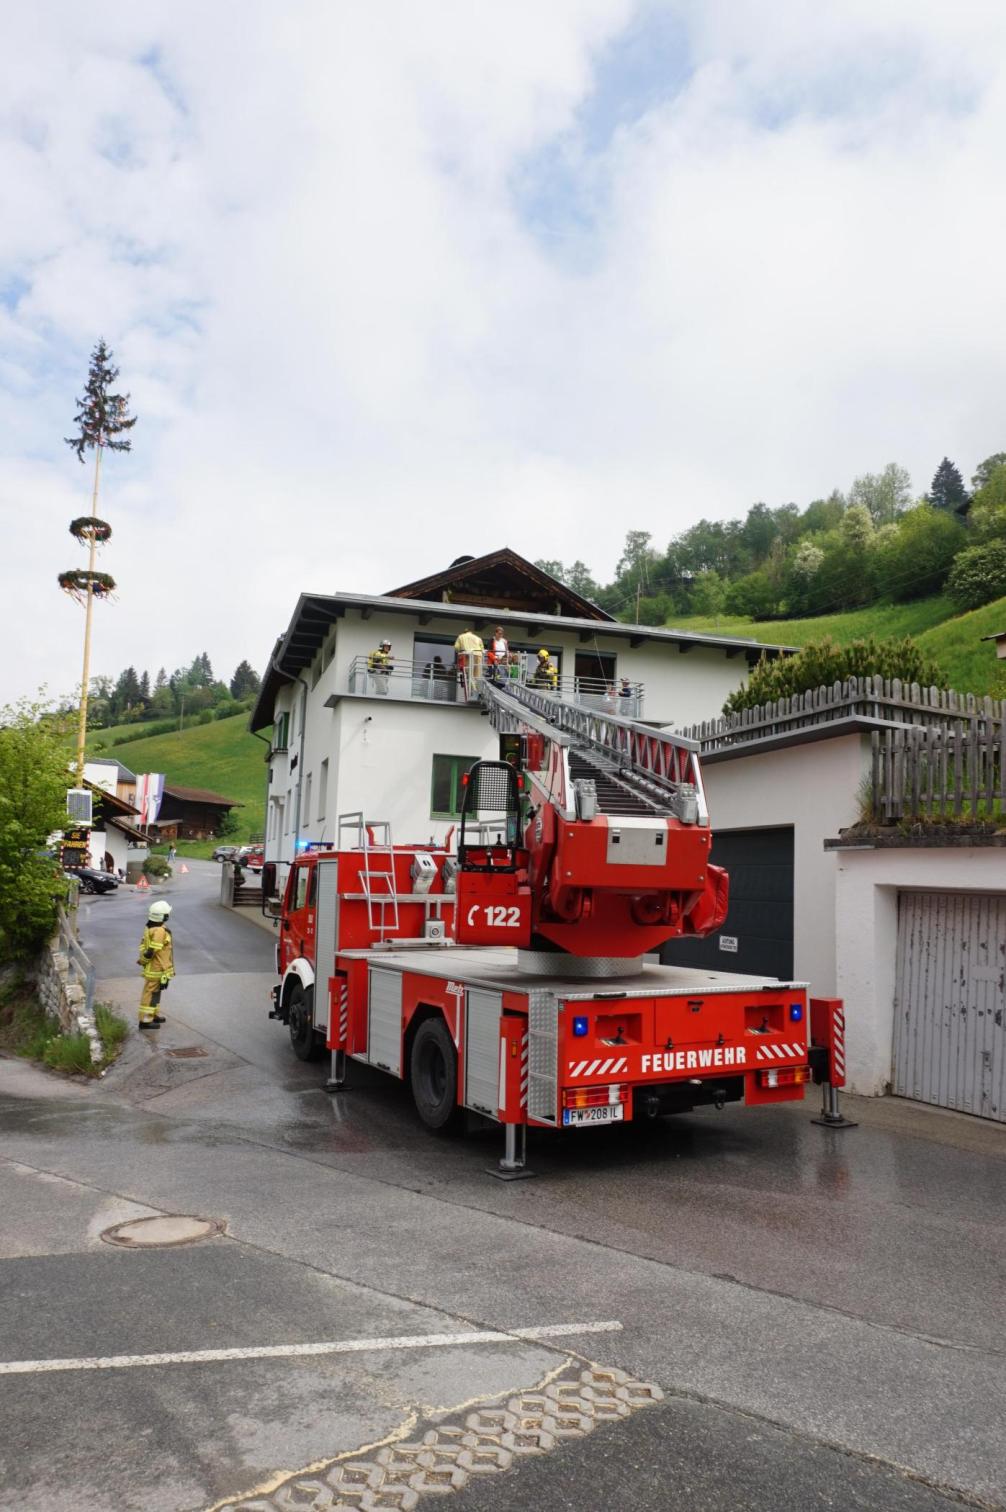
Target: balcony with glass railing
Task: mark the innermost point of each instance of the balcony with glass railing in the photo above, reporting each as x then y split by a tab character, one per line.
441	683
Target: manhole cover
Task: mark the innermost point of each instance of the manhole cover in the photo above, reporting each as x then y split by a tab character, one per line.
172	1228
186	1052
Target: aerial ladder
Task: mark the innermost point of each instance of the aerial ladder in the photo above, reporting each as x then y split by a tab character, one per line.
602	835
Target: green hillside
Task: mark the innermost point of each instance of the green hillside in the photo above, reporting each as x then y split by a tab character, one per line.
952	640
222	756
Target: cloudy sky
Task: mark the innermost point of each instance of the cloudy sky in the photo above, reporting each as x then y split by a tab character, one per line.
389	282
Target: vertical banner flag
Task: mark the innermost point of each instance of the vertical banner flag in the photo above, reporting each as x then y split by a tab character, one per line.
149	793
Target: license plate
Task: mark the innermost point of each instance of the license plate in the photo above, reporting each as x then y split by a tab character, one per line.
602	1113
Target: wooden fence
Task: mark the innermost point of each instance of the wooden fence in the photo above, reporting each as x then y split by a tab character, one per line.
939	771
874	698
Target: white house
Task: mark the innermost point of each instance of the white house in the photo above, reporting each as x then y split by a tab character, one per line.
113	789
394	743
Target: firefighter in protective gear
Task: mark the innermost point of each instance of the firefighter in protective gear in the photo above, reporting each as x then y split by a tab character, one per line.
379	665
546	673
380	660
157	959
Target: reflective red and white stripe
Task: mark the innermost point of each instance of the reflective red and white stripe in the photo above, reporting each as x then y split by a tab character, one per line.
523	1073
781	1052
838	1046
610	1067
343	1014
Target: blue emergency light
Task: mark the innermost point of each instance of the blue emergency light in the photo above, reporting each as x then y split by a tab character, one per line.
796	1012
580	1026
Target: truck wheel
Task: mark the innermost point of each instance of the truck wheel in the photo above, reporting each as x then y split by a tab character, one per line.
300	1009
434	1072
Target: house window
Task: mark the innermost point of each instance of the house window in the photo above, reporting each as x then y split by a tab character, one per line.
307	799
445	798
594	669
281	734
322	788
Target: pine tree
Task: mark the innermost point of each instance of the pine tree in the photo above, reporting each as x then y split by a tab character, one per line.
947	489
161	680
245	681
145	687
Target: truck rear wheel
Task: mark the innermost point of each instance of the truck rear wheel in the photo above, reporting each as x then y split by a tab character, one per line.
434	1073
300	1011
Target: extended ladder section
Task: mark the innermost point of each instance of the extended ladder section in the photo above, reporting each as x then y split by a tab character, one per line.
377	875
634	768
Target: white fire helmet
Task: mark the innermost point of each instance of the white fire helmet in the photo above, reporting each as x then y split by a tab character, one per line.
158	912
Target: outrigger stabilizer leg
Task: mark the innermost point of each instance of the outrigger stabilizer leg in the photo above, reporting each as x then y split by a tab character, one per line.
337	1072
512	1167
831	1115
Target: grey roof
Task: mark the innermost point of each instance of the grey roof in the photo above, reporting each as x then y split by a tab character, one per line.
122	772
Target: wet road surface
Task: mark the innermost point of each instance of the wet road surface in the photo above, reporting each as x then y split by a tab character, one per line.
823	1311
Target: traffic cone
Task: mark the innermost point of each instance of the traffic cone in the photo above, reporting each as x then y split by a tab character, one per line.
142	883
183	869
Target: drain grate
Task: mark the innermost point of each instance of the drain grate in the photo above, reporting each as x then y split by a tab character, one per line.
187	1052
161	1231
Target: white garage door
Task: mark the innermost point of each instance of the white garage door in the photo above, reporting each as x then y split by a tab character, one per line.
949	1035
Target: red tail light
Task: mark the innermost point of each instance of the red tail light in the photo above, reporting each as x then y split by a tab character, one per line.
786	1076
592	1097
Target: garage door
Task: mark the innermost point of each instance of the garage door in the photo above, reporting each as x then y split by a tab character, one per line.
949	1037
758	934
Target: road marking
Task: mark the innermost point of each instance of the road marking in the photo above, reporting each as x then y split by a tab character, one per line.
289	1351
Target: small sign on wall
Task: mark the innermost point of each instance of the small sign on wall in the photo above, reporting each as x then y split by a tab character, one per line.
729	943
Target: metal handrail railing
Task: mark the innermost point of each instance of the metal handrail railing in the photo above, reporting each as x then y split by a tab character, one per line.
78	962
668	764
445	682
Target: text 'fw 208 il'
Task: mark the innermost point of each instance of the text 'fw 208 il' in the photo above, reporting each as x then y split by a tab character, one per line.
516	977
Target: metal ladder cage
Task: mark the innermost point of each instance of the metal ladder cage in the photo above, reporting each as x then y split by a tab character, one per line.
489	787
378	882
664	766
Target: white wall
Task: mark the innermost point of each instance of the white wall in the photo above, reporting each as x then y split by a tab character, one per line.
867	883
111	840
813	787
680	688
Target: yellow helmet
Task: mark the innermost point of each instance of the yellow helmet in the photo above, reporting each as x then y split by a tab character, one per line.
543	652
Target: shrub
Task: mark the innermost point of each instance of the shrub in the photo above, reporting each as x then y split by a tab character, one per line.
978	575
824	662
33	784
156	866
755	596
914	558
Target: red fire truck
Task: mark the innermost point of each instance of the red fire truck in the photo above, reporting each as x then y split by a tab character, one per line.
515	977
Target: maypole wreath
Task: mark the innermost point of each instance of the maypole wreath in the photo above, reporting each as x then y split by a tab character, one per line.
76	584
87	528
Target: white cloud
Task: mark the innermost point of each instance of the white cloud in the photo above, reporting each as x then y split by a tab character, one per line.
355	355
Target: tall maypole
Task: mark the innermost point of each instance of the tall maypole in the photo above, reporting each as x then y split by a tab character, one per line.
101	419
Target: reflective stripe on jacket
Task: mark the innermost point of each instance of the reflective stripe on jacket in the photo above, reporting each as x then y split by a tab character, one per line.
157	956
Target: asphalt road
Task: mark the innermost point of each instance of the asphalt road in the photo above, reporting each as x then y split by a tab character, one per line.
822	1311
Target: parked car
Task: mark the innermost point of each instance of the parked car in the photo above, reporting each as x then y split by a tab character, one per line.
91	880
224	853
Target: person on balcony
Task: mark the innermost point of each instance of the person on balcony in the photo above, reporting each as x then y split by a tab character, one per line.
497	653
379	665
469	652
546	674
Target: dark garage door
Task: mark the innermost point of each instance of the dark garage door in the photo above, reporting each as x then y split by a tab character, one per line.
760	918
